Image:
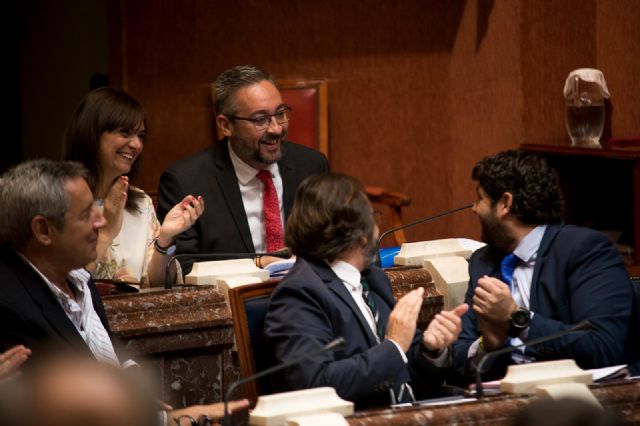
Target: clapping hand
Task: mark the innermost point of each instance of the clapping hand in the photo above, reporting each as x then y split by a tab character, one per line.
445	328
114	206
180	218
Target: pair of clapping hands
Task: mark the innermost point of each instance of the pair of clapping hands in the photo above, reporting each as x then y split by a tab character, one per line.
180	218
441	332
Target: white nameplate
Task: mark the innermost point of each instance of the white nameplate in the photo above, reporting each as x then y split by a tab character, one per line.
324	419
451	276
209	272
524	378
274	410
414	254
568	390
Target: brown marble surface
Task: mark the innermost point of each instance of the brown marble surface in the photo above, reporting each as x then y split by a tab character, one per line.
621	397
182	337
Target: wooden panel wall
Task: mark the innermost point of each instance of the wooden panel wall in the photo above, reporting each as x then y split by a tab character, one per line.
419	89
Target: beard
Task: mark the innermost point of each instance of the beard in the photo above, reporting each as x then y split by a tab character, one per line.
249	153
495	234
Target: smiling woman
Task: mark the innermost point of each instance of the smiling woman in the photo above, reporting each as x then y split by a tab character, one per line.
106	135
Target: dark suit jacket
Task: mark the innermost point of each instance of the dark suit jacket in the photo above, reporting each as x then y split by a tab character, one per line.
311	307
29	312
578	275
223	227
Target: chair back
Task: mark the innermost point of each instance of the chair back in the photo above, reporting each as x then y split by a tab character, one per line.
249	305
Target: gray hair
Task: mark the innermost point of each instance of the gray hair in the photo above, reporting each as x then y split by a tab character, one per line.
232	80
33	188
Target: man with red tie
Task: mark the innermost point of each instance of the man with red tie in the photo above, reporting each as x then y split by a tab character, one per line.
250	176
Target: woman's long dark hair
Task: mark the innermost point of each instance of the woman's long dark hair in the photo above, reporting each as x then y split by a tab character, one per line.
103	110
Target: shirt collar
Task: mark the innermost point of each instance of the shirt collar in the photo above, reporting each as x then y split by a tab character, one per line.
346	272
528	247
245	172
77	278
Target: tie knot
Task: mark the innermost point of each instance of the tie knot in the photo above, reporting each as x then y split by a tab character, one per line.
264	175
507	266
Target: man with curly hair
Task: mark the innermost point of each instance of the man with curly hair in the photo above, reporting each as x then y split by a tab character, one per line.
539	276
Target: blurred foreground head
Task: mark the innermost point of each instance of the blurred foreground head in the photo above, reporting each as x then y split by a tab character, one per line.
72	391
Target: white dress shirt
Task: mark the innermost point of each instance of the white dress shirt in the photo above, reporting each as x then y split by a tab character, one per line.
251	189
82	313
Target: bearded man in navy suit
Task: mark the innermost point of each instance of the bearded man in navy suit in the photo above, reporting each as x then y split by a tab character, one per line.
333	290
559	276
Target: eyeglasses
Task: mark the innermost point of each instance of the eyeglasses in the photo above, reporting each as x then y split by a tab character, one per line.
262	122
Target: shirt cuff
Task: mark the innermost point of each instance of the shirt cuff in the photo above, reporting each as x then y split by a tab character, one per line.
441	360
402	354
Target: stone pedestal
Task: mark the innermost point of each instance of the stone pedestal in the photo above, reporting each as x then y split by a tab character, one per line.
181	337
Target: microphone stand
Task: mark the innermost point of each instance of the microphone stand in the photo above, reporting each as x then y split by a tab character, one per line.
581	327
333	345
284	253
417	222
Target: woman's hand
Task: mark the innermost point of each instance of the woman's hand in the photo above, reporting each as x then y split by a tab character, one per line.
114	207
180	218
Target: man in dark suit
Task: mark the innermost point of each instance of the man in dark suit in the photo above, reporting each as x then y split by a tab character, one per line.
254	121
333	290
48	231
538	276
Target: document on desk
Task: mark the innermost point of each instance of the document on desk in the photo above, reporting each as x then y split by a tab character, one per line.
446	400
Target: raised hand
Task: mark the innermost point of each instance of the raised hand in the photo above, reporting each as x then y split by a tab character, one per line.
402	320
180	218
492	301
445	328
11	360
114	204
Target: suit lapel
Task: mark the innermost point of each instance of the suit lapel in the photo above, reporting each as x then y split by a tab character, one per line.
48	304
228	184
286	168
337	286
547	239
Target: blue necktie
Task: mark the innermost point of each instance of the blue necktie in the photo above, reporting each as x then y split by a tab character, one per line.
507	267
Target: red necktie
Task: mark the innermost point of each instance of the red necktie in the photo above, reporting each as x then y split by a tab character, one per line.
273	224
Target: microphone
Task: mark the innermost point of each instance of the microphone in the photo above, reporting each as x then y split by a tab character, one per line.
417	222
581	327
284	253
333	345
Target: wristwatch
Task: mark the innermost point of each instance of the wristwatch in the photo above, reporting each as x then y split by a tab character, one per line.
518	321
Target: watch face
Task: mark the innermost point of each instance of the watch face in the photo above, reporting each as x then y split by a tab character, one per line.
520	318
171	250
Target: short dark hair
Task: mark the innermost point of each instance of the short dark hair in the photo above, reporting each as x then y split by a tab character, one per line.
232	80
32	188
537	198
103	110
330	213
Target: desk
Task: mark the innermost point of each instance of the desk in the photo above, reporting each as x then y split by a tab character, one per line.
185	336
622	398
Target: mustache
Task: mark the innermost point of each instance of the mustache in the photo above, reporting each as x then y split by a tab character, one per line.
266	138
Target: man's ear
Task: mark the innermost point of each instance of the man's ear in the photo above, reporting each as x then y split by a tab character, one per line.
224	125
41	229
503	206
